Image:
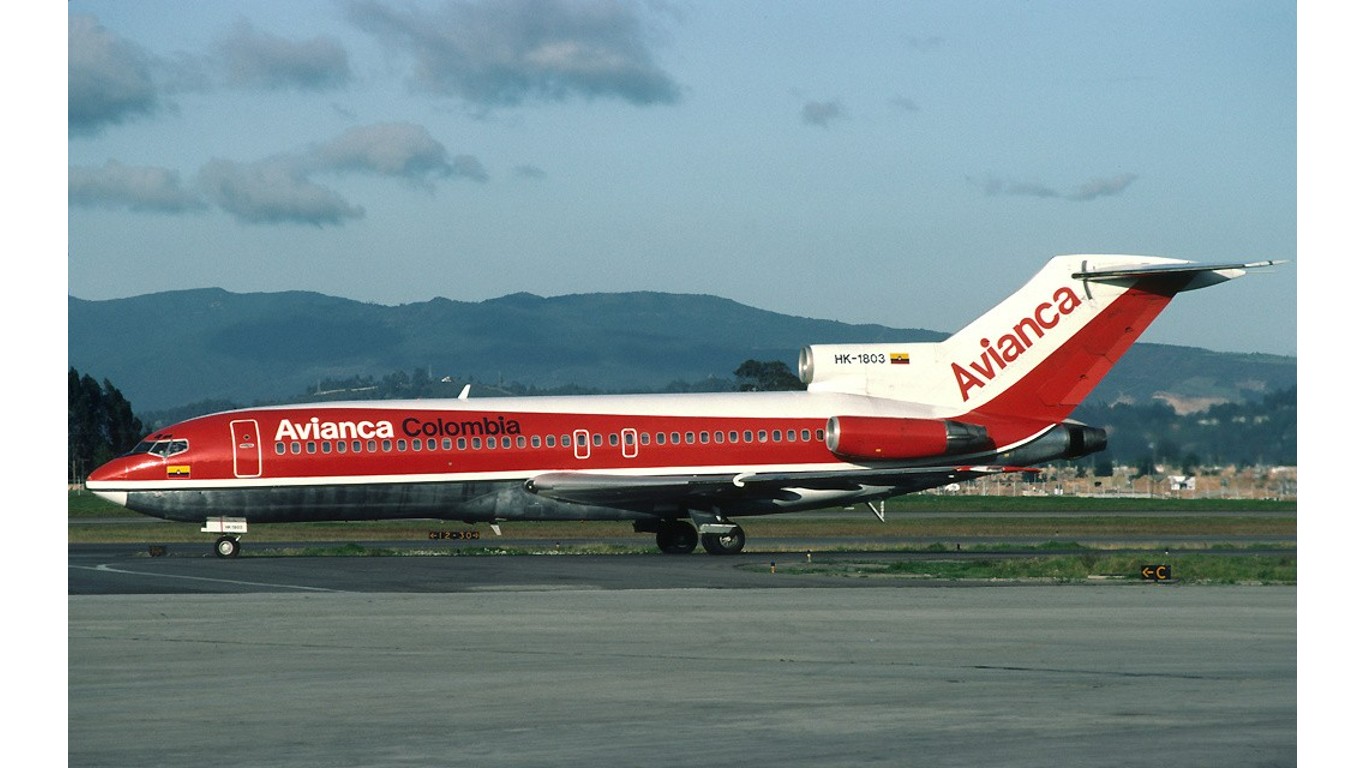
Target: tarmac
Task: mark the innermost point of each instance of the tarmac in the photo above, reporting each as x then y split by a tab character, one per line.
625	660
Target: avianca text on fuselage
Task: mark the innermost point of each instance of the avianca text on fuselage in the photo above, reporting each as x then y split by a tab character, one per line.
317	429
485	426
1011	346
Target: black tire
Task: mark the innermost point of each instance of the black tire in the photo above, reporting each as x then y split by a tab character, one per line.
724	543
676	538
227	546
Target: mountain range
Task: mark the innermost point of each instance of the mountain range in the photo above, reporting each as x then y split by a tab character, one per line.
165	350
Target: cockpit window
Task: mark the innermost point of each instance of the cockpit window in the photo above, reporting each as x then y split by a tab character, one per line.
162	448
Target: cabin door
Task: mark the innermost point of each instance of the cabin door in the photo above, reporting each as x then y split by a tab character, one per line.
246	448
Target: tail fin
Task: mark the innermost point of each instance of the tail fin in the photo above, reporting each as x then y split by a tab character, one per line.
1039	353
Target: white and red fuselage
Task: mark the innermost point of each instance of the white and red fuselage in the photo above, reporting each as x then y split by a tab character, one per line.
876	420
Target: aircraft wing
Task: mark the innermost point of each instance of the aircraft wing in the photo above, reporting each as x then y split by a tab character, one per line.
630	490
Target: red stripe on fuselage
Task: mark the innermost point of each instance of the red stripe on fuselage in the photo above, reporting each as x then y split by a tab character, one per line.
521	440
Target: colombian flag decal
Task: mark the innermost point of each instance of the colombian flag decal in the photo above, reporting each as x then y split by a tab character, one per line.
178	470
901	358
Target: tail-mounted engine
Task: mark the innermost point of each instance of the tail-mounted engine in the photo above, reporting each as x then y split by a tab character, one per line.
874	438
910	371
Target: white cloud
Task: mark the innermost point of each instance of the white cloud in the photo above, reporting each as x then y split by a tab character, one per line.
116	185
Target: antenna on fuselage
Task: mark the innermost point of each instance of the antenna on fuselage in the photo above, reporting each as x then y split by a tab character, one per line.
464	393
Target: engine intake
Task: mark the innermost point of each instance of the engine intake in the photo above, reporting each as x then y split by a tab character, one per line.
871	437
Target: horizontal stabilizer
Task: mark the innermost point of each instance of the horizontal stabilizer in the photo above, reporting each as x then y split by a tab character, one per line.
1220	272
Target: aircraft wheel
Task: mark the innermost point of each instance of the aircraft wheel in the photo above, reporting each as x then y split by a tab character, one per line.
675	538
724	543
227	546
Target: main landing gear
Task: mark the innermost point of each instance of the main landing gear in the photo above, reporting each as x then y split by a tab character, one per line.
718	535
724	543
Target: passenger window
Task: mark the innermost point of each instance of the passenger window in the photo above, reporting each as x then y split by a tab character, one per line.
280	449
688	438
734	436
521	441
704	437
507	442
312	447
445	443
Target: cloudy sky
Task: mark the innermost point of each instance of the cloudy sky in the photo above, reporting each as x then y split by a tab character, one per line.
901	163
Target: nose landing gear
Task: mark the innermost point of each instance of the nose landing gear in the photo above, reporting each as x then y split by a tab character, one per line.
229	544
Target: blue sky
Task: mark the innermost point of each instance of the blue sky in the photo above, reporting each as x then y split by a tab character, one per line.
900	163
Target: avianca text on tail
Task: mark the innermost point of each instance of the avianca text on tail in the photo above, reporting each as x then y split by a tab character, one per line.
875	421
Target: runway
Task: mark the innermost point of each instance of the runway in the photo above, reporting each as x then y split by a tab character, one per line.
688	661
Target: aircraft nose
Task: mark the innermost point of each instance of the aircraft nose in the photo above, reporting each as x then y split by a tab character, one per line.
109	471
103	481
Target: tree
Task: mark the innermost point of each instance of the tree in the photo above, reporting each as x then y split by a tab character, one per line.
99	424
771	376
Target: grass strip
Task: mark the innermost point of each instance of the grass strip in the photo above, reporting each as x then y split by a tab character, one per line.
1185	568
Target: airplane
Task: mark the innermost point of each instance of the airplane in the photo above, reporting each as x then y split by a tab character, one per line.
875	421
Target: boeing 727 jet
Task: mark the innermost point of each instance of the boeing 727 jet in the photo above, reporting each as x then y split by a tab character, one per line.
875	421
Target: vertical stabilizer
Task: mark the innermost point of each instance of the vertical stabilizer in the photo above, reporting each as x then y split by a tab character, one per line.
1037	354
